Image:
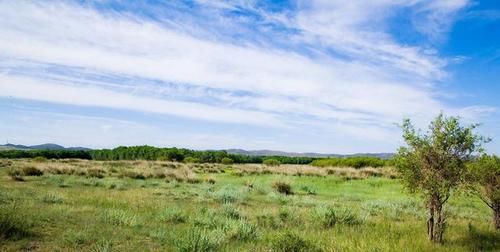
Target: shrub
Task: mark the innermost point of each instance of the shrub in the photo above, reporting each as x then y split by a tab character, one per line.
227	161
282	187
32	171
290	242
271	162
13	224
197	240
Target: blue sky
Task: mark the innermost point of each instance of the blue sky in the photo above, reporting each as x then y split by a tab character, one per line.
309	76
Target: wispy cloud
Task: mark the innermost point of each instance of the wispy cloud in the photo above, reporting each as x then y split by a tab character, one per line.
316	63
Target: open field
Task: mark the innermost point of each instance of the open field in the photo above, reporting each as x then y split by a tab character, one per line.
78	205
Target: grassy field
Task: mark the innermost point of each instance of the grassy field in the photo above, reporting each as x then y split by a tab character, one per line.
78	205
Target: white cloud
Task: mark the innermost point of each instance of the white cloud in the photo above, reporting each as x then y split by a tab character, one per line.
25	88
372	83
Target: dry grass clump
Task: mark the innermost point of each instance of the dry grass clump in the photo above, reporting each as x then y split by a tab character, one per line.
282	187
96	173
133	174
5	163
31	171
183	174
353	173
210	180
291	170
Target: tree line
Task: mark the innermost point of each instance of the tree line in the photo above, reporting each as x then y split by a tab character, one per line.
192	156
356	162
152	153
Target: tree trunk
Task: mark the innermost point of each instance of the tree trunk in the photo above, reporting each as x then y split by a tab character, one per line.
440	224
436	223
496	215
430	222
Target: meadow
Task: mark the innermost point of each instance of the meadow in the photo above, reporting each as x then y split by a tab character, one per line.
82	205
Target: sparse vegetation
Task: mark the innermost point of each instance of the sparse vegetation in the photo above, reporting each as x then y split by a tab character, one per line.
290	242
330	209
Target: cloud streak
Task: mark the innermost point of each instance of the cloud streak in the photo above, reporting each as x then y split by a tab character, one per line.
319	63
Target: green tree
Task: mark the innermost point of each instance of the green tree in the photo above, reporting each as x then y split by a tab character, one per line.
434	164
271	162
485	183
227	161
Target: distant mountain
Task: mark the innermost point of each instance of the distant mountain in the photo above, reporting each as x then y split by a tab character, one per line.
47	146
13	147
306	154
52	146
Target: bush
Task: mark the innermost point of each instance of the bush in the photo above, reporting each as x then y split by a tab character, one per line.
13	224
32	171
283	187
227	161
290	242
271	162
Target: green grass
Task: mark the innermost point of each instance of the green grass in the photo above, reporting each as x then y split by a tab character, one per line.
71	212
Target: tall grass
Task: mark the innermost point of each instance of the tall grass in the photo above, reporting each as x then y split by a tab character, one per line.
14	224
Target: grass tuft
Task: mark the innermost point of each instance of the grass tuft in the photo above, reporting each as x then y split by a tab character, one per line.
291	242
14	224
282	187
197	240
